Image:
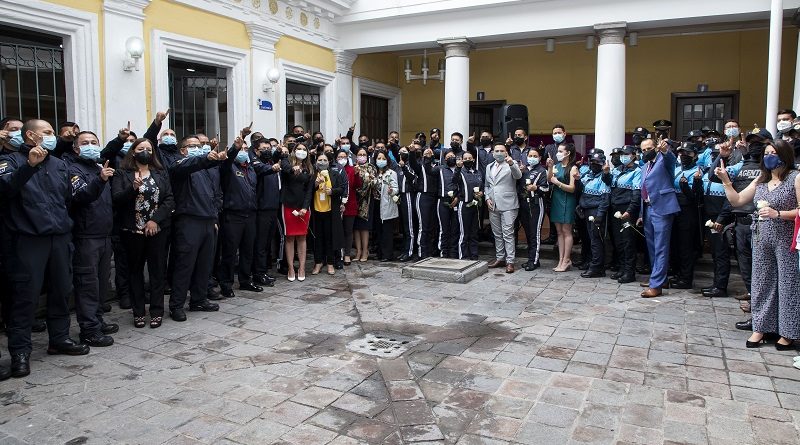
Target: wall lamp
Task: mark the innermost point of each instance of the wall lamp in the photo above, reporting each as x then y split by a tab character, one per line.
273	76
134	49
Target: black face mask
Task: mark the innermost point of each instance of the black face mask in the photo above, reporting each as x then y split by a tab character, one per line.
519	140
755	150
318	140
363	144
615	161
291	145
284	155
469	164
595	168
143	157
637	140
486	142
455	146
451	162
687	160
648	156
404	156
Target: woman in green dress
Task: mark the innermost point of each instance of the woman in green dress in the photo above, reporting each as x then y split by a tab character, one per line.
562	174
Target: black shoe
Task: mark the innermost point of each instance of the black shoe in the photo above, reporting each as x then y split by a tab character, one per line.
745	325
249	287
593	274
5	373
385	260
584	266
616	275
205	306
68	347
338	265
109	328
125	303
106	308
264	280
168	290
97	340
225	293
38	326
20	365
680	284
624	279
404	258
715	293
215	295
781	347
643	270
613	267
177	314
707	289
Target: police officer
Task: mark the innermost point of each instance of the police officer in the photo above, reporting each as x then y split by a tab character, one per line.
581	224
594	201
91	211
427	200
533	188
517	145
448	219
456	140
36	186
625	202
483	151
407	179
709	150
639	134
10	140
467	187
198	200
436	145
686	242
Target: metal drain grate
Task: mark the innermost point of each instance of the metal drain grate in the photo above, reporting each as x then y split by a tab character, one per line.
385	345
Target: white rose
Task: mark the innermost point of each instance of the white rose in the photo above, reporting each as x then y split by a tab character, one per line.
762	204
395	198
344	200
709	223
527	182
450	194
618	215
591	219
476	189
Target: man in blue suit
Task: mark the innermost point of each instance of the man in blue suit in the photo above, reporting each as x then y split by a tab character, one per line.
659	206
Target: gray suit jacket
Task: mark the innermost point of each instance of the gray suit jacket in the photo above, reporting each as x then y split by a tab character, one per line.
502	188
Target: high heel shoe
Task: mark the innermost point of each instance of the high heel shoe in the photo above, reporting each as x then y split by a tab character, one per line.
755	344
301	277
291	276
781	347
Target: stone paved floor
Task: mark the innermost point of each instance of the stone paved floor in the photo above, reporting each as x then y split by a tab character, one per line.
530	358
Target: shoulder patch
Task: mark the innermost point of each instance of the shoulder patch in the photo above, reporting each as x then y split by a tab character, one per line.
239	173
3	166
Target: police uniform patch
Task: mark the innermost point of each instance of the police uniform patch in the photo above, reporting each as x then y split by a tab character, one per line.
3	167
238	173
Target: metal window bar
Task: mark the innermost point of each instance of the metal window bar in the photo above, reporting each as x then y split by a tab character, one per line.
24	60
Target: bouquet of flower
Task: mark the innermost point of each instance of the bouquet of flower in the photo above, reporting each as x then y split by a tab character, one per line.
618	215
761	204
476	201
710	225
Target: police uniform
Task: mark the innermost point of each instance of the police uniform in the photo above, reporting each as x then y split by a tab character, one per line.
686	242
407	178
581	224
465	181
427	203
268	201
448	219
532	209
594	201
625	198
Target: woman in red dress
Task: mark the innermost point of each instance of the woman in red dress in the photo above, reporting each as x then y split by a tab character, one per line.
350	201
297	180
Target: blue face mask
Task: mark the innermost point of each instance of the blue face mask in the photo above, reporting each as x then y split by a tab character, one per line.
732	132
533	161
625	159
499	156
558	137
49	142
242	157
345	147
195	151
90	152
16	138
771	162
381	163
206	149
125	147
169	140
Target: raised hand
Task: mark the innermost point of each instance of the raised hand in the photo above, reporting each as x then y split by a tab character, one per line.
4	136
722	172
162	115
427	153
221	155
106	172
471	139
238	142
137	180
36	155
509	160
125	132
510	140
246	130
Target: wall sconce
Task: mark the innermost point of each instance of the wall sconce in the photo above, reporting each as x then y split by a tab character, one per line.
550	45
134	49
273	76
425	70
633	39
589	43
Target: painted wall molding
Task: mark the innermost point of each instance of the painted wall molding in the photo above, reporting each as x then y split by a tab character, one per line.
382	90
311	76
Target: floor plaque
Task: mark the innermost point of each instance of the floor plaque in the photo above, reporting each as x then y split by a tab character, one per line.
446	270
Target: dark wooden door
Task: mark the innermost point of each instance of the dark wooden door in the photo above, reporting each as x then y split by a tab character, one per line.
695	111
374	117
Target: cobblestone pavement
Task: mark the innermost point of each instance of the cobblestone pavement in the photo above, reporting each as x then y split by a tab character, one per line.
531	358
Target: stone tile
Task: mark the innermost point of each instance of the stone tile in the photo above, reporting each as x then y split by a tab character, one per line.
537	433
414	412
774	432
317	397
680	432
639	435
643	415
569	398
308	435
754	396
359	405
498	427
290	413
258	431
420	433
552	415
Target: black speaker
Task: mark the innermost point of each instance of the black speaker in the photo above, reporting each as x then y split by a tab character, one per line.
512	117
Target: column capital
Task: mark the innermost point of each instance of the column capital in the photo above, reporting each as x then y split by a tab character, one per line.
456	46
262	37
344	61
611	33
129	8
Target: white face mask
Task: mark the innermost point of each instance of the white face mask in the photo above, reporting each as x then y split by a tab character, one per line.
784	125
560	156
300	154
342	162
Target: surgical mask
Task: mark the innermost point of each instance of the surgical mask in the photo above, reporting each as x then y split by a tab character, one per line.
499	156
49	142
469	164
361	160
300	154
558	137
771	162
345	147
687	160
732	132
90	152
322	165
649	155
194	152
451	162
533	161
242	157
784	125
16	138
342	162
625	159
560	156
381	163
169	140
486	142
125	147
143	157
206	149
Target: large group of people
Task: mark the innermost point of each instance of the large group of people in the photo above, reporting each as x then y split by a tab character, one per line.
196	212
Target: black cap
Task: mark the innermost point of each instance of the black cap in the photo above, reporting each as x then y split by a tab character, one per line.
694	134
628	149
436	130
616	151
598	157
758	133
712	133
713	141
662	125
641	131
419	135
705	129
688	146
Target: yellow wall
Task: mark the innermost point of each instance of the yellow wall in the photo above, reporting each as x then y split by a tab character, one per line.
300	51
380	67
560	86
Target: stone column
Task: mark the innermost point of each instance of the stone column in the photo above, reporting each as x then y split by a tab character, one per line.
456	86
343	88
774	65
262	47
609	120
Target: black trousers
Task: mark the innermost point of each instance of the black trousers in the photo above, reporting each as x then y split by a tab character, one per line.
195	240
266	227
149	249
468	232
531	216
581	227
744	248
6	255
721	254
408	221
596	243
323	237
387	238
121	284
427	215
686	230
237	234
33	259
624	241
91	266
448	230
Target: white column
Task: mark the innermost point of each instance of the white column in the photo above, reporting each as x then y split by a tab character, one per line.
343	86
262	47
609	119
125	90
456	86
774	65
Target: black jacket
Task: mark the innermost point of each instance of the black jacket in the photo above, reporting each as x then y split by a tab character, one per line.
239	182
91	208
124	196
112	153
297	190
195	182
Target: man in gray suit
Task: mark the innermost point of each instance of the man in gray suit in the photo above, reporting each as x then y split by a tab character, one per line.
503	204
